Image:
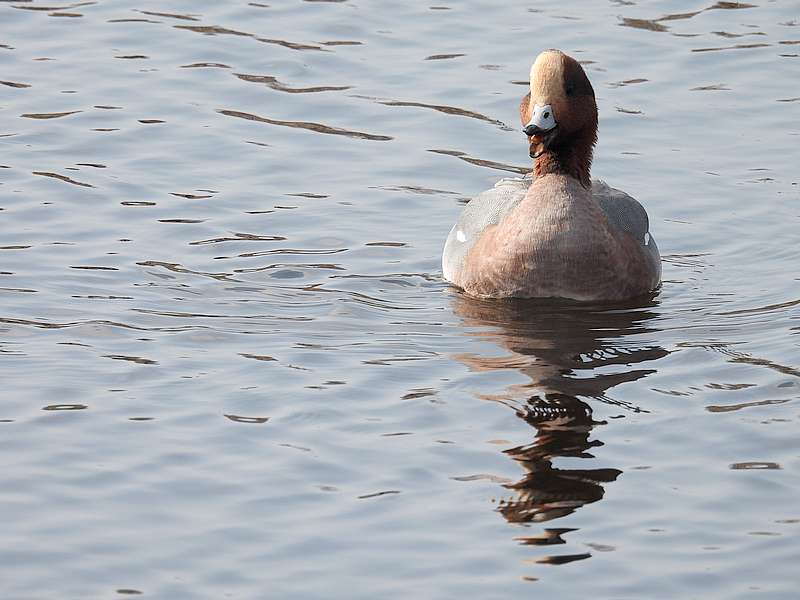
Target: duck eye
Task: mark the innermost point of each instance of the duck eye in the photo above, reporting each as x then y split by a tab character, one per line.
546	115
570	90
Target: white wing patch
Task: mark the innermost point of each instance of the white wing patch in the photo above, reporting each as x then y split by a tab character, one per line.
460	236
646	238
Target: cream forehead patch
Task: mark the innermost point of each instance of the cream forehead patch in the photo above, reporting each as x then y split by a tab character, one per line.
547	73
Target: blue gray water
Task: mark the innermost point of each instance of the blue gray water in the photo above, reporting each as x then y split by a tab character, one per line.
231	368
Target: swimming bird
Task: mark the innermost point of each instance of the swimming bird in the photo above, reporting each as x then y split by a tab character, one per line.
554	233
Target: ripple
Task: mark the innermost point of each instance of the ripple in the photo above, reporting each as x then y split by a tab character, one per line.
98	297
549	537
711	88
94	268
735	407
377	494
250	420
54	8
490	164
56	115
134	359
443	56
388	244
192	196
560	559
736	47
274	84
731	5
342	43
727	34
132	20
763	362
415	189
15	84
763	309
206	65
63	178
650	25
316	127
295	251
450	110
271	267
217	30
617	84
178	268
482	477
261	357
169	15
240	237
72	324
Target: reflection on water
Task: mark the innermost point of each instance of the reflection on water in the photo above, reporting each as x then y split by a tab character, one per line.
563	426
566	352
561	347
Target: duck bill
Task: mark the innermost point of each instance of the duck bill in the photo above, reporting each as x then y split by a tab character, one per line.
540	129
539	142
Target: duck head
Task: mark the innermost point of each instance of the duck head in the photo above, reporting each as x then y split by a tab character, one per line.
559	116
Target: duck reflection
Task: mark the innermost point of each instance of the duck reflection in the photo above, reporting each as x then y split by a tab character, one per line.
563	425
568	352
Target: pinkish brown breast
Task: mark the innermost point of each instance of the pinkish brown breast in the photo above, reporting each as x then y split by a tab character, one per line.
558	243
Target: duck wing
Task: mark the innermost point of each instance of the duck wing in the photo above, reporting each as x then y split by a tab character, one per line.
624	213
487	208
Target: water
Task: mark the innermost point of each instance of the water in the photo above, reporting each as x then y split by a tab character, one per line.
231	367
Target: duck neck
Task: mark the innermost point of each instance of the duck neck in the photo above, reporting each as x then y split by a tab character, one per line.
572	157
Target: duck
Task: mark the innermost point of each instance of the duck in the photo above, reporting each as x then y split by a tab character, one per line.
554	233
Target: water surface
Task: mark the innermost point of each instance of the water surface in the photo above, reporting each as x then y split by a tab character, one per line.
231	367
